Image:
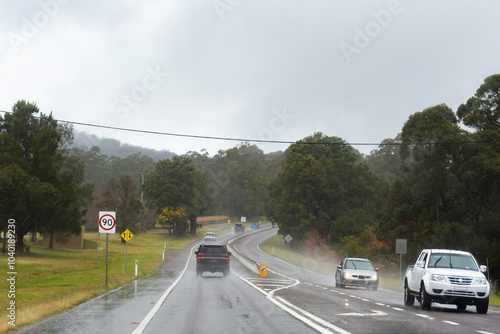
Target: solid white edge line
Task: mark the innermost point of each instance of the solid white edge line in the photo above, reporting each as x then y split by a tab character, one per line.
140	328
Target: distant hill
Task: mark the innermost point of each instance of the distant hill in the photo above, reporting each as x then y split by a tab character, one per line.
110	147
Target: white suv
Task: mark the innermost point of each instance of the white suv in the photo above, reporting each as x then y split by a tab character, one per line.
447	277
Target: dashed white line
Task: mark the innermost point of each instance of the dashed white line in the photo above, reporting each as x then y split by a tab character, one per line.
451	323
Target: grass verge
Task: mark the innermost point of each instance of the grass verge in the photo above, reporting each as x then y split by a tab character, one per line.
327	265
52	281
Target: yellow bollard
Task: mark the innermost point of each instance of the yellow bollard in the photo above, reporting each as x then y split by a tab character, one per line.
263	270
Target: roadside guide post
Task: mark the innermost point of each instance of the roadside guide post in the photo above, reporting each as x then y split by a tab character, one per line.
401	249
136	264
107	224
126	235
288	238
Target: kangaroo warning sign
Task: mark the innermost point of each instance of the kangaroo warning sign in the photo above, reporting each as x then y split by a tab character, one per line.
107	221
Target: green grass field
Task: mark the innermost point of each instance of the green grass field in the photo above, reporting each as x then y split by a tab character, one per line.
51	281
327	265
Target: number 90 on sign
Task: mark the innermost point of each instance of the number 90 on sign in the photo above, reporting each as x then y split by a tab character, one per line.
107	221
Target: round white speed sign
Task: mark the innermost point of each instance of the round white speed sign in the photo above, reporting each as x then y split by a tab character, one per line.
107	221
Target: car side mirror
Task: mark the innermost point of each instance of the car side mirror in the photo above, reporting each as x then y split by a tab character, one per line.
228	253
339	267
196	253
483	268
419	264
377	269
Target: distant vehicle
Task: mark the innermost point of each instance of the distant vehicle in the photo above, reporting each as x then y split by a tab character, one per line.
212	258
356	272
210	234
239	228
447	277
255	225
209	239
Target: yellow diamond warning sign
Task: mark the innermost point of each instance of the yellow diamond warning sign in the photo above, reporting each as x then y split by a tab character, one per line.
127	235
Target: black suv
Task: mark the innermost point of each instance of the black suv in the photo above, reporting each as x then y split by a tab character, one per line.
239	228
212	258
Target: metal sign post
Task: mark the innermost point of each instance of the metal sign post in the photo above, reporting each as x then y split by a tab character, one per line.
288	238
401	249
107	224
126	235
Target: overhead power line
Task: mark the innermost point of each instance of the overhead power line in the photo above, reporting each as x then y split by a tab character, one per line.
237	139
189	135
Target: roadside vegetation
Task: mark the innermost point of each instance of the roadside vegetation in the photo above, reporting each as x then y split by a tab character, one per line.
52	281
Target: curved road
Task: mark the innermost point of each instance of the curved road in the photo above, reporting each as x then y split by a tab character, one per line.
288	300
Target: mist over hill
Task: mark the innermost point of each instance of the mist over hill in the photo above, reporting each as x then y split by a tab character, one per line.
110	147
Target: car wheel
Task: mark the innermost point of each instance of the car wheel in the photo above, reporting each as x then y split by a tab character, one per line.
409	298
482	305
425	299
342	285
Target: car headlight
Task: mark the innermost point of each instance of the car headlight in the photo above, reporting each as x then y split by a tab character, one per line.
347	275
375	276
480	280
439	278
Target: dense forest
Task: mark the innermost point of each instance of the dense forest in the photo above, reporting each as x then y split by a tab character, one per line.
437	184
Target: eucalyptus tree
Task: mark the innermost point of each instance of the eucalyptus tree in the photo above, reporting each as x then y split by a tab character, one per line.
176	183
321	184
51	177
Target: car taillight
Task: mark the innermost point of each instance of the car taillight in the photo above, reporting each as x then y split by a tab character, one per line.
201	255
225	256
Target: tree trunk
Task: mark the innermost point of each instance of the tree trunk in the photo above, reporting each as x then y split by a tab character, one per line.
51	241
192	224
20	244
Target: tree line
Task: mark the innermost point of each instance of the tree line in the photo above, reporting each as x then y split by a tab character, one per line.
436	184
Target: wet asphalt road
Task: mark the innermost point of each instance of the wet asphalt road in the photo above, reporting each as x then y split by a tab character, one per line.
289	300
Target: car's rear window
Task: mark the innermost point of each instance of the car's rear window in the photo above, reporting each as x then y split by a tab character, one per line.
213	249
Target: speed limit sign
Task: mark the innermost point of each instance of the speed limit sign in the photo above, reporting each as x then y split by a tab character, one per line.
107	221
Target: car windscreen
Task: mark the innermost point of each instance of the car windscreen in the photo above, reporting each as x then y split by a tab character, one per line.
456	261
358	265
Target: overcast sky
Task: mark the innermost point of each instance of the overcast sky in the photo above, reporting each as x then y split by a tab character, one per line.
270	70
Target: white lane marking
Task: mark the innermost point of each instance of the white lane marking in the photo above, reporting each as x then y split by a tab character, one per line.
374	314
292	310
422	315
380	304
397	309
451	323
315	318
483	332
140	328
